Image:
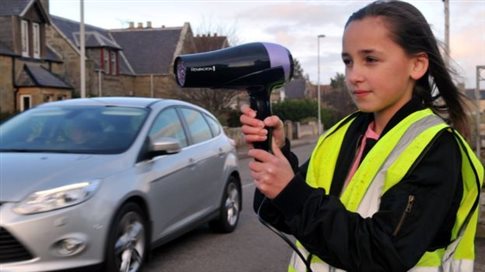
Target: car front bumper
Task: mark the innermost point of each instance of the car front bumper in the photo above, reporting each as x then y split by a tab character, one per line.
62	239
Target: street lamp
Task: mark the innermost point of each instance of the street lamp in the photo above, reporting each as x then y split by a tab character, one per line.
82	45
318	84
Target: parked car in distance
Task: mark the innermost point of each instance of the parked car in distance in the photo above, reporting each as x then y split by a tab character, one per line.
101	181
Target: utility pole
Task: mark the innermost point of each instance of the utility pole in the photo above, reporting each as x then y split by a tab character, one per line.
447	31
83	52
318	84
480	68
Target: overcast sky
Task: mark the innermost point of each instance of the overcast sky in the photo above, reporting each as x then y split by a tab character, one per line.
293	24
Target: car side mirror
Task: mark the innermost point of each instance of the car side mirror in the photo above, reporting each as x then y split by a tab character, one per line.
163	146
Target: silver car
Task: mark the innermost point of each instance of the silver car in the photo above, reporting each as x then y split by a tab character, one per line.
101	181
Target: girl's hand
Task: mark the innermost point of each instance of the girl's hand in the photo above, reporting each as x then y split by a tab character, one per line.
271	172
254	129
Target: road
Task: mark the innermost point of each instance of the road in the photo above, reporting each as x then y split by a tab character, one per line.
251	248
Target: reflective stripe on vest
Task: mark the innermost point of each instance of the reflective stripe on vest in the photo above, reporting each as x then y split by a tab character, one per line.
383	167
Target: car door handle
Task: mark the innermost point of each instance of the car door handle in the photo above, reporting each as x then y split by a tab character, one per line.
191	163
221	152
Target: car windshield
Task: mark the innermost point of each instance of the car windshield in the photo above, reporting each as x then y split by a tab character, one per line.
73	129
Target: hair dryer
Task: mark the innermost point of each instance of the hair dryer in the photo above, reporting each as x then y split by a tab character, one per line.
257	67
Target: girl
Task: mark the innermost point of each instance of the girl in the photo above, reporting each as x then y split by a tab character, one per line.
392	187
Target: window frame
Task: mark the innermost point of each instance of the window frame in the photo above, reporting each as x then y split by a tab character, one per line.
22	104
106	61
113	63
24	36
36	40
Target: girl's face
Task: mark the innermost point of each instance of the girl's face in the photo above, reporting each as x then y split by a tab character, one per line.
378	72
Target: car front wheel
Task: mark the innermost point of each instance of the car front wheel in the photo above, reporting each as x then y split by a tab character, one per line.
127	243
230	208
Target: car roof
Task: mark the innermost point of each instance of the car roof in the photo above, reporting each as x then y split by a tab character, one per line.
135	102
138	102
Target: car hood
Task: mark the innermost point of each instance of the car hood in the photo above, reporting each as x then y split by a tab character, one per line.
24	173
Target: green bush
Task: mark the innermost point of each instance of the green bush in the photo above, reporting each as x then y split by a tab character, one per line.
291	110
303	110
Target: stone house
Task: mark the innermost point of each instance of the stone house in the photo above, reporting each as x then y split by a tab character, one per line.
27	62
41	56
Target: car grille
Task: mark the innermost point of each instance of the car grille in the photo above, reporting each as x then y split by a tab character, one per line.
12	250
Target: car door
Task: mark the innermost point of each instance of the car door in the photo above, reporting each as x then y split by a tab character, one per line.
209	158
172	178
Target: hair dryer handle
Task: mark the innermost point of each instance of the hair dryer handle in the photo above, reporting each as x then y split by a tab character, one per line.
259	101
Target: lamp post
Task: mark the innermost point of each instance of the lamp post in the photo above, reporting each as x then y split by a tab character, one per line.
447	31
318	84
83	52
478	96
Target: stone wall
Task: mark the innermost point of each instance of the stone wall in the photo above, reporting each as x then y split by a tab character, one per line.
481	219
6	92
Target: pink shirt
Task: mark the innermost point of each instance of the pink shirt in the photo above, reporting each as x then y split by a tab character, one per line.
369	134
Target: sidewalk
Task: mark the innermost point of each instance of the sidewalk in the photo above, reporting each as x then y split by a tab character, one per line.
479	242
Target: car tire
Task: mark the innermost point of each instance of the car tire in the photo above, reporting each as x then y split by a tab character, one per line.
128	239
230	208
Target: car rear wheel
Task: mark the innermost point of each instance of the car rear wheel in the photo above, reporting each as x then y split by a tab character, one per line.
230	208
127	243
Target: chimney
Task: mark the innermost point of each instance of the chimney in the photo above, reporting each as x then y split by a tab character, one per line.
131	25
215	34
163	26
149	24
140	25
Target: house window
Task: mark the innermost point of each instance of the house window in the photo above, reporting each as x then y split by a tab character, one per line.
36	39
25	38
106	61
113	62
25	102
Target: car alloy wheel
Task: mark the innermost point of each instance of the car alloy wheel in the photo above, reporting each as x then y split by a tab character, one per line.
230	208
127	245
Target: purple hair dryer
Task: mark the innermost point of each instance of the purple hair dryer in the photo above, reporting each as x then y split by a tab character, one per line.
257	67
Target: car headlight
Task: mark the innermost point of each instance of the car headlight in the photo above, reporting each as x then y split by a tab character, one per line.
57	198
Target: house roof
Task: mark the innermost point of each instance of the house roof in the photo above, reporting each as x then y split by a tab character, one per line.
13	7
52	55
94	36
149	51
37	76
295	89
143	51
20	7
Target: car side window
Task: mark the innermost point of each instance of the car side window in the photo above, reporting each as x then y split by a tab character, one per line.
214	125
198	127
167	124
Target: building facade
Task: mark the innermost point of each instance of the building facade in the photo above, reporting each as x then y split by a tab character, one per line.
40	54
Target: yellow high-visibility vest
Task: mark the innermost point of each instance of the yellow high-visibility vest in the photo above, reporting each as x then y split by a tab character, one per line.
385	166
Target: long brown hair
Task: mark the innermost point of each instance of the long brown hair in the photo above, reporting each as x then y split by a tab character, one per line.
411	31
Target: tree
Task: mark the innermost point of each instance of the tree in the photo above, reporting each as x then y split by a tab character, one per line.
297	69
339	98
218	101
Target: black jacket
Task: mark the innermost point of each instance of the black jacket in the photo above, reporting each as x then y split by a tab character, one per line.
393	239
